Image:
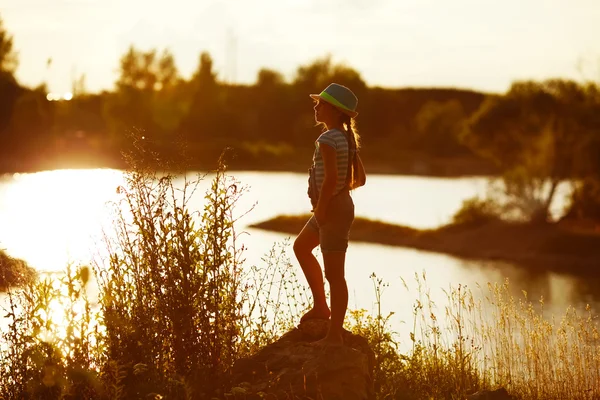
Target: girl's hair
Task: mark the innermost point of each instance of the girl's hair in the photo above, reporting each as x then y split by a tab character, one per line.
350	125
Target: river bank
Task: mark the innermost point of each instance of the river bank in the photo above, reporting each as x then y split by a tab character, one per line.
404	163
553	246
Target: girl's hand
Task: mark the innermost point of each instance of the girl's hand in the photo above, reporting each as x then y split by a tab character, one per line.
320	214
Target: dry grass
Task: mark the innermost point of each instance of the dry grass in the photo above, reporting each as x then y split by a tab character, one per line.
489	342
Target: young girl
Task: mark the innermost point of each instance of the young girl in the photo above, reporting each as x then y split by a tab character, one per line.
336	170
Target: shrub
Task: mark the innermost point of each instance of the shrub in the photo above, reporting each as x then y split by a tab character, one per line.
14	272
477	211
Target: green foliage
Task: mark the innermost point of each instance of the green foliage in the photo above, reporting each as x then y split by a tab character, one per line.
42	357
8	56
539	133
170	293
314	77
376	329
516	196
439	126
31	122
150	98
477	211
14	272
585	201
204	117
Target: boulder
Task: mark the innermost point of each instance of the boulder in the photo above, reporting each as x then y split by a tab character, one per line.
295	367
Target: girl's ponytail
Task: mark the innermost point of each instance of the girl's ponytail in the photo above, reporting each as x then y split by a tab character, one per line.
354	139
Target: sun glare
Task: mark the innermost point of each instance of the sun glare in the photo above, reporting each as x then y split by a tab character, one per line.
66	206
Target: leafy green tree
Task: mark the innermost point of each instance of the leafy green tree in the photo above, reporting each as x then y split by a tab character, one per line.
533	133
204	115
9	89
8	56
272	102
144	96
31	122
585	198
438	127
314	77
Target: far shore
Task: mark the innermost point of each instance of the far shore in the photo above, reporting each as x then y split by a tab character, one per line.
553	246
411	165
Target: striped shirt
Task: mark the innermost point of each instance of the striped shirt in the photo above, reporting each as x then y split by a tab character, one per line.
336	139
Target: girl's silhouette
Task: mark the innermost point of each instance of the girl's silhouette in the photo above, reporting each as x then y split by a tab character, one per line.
336	170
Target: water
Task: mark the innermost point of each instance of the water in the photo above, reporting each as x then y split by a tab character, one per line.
52	218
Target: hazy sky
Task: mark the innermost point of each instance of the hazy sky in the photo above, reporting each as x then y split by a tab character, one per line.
479	44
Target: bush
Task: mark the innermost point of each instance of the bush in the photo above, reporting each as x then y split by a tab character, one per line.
477	211
14	272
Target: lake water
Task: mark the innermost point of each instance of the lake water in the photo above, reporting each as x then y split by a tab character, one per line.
55	217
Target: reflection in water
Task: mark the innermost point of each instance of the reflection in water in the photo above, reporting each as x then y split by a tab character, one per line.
558	290
50	218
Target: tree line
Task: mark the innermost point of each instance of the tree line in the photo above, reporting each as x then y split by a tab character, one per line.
268	124
536	135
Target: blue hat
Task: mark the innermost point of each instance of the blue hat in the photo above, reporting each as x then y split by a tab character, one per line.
340	97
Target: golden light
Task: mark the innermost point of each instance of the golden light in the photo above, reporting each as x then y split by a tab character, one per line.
68	96
65	207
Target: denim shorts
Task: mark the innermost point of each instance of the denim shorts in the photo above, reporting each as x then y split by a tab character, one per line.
334	232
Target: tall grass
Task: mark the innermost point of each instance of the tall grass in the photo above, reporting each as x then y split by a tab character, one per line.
177	306
489	341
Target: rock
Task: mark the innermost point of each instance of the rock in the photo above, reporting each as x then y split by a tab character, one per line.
499	394
295	366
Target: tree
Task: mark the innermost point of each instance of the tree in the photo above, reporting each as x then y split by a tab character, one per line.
147	71
267	78
314	77
8	57
272	104
202	119
10	91
144	90
438	127
533	133
32	121
585	197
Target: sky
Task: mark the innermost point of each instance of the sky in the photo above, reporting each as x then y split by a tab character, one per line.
473	44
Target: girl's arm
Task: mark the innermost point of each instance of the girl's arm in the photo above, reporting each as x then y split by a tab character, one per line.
329	182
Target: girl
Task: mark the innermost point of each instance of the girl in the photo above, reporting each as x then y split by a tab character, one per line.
336	170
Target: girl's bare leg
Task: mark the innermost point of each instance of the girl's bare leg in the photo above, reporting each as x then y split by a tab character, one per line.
304	244
334	272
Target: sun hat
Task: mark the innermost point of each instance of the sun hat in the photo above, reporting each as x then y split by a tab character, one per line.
340	97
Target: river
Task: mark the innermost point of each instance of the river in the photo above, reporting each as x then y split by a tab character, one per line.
55	217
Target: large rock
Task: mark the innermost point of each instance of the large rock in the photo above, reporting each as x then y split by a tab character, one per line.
294	366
